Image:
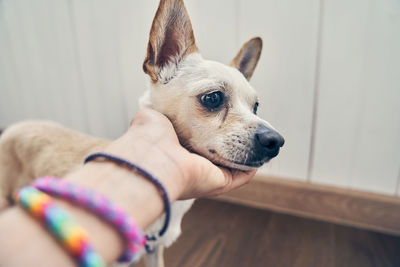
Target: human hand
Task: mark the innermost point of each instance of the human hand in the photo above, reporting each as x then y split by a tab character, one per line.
152	143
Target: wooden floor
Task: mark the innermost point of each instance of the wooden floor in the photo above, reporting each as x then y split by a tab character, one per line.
222	234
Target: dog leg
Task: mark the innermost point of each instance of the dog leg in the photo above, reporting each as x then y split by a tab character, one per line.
155	259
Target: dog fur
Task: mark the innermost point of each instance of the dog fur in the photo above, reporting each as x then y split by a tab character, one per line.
179	80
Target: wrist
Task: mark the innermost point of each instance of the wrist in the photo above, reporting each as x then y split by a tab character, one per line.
130	188
168	164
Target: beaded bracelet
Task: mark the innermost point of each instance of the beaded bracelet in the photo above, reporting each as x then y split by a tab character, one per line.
148	176
60	223
99	205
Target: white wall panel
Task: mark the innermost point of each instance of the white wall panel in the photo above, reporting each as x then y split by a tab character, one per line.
11	107
80	63
60	84
284	77
97	43
17	54
398	184
39	56
215	28
133	27
358	127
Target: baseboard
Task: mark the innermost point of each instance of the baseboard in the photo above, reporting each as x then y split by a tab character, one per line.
331	204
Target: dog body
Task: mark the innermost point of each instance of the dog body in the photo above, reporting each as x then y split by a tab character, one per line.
212	107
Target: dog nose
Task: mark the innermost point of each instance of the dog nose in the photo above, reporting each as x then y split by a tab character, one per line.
269	141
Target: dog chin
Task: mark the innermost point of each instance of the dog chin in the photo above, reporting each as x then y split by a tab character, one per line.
241	167
223	162
245	166
248	166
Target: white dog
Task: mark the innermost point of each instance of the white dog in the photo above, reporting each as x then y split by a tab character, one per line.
212	107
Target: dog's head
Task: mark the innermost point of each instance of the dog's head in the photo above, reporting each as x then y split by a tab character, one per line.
212	106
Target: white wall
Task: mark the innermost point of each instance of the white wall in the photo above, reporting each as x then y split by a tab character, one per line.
329	75
358	115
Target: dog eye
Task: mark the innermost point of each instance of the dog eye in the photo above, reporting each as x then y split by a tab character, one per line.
212	101
255	108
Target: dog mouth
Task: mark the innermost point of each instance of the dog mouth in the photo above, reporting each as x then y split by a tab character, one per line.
248	163
243	165
253	164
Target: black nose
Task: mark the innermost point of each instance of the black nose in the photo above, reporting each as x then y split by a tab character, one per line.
269	141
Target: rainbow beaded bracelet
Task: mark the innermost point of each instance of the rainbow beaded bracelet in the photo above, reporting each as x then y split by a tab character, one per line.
60	223
102	207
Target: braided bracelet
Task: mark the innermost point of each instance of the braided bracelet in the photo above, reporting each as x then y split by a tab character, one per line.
99	205
60	223
147	175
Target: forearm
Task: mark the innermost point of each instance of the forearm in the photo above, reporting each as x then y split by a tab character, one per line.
133	193
152	144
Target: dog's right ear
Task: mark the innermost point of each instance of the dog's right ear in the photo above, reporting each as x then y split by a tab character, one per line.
171	40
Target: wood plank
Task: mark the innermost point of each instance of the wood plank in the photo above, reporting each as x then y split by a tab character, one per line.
358	127
285	75
363	248
219	234
223	234
342	206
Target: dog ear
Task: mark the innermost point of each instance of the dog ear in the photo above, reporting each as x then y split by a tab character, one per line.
171	39
247	58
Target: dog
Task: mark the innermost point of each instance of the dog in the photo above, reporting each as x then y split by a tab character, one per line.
212	107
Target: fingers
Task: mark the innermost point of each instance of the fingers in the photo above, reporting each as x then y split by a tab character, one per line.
240	178
200	176
149	131
221	180
152	125
236	179
147	115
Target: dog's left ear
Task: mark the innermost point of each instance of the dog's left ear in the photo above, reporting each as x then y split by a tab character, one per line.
171	40
247	58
